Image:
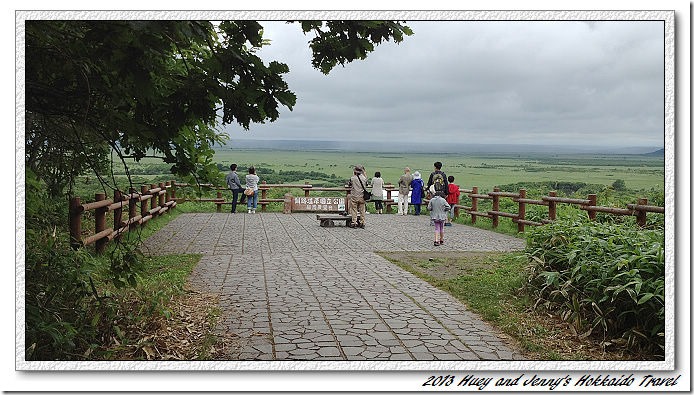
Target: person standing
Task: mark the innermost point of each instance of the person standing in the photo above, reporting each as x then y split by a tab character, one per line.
404	191
438	179
357	203
417	186
252	181
437	208
452	199
377	192
234	184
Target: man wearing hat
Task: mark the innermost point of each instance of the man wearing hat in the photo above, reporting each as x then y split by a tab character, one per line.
404	191
357	203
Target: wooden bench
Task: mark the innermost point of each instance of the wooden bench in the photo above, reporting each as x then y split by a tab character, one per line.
328	220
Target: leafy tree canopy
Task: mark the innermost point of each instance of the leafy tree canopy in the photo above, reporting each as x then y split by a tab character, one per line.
135	87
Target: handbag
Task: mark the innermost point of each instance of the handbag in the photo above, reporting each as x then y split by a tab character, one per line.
367	194
249	192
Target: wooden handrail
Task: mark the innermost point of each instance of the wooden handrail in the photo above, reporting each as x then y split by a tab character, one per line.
650	209
157	196
161	198
565	200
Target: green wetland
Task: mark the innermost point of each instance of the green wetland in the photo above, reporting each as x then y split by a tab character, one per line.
333	168
639	172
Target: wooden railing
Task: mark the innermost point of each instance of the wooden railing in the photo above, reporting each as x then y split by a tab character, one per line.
639	210
264	200
156	197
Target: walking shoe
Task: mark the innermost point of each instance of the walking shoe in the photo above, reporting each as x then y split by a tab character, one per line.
436	244
448	224
441	242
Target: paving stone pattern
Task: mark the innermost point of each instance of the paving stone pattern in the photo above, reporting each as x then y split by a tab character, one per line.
291	290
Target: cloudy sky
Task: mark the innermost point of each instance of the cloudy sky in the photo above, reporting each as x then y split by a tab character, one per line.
487	82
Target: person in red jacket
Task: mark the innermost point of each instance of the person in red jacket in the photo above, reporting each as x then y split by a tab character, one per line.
452	198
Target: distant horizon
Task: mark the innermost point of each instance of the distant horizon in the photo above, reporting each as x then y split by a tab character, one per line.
396	146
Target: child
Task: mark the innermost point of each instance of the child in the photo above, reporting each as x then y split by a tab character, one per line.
437	208
452	199
417	192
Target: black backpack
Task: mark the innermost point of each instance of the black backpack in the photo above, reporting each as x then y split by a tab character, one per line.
439	183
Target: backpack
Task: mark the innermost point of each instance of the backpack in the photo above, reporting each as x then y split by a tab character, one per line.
439	184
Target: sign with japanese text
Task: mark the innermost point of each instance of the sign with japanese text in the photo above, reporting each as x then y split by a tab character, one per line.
318	204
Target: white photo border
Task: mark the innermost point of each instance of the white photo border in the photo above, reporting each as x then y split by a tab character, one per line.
676	275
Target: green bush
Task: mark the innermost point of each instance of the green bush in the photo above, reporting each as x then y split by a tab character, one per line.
68	314
58	292
603	279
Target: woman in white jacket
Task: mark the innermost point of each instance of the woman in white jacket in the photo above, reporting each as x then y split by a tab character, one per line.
252	181
377	192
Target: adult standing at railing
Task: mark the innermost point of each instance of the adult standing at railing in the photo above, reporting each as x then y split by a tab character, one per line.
357	203
404	191
252	181
234	185
438	179
377	192
417	192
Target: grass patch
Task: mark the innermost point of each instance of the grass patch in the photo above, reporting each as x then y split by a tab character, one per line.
490	284
160	318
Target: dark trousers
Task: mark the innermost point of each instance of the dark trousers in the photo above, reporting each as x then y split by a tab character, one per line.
417	209
234	197
379	204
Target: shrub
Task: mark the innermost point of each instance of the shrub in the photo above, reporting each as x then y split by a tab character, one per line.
66	318
57	287
603	279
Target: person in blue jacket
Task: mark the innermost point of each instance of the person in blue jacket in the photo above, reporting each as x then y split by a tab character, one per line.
417	186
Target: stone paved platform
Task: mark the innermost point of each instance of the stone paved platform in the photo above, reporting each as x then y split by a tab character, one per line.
292	290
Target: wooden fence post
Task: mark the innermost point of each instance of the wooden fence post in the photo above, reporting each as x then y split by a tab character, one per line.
307	193
593	199
219	206
132	207
75	220
117	213
263	195
552	206
143	203
473	209
389	208
641	214
288	198
173	189
495	207
100	222
162	196
155	198
521	211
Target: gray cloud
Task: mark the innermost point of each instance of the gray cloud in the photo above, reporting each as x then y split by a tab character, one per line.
541	82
